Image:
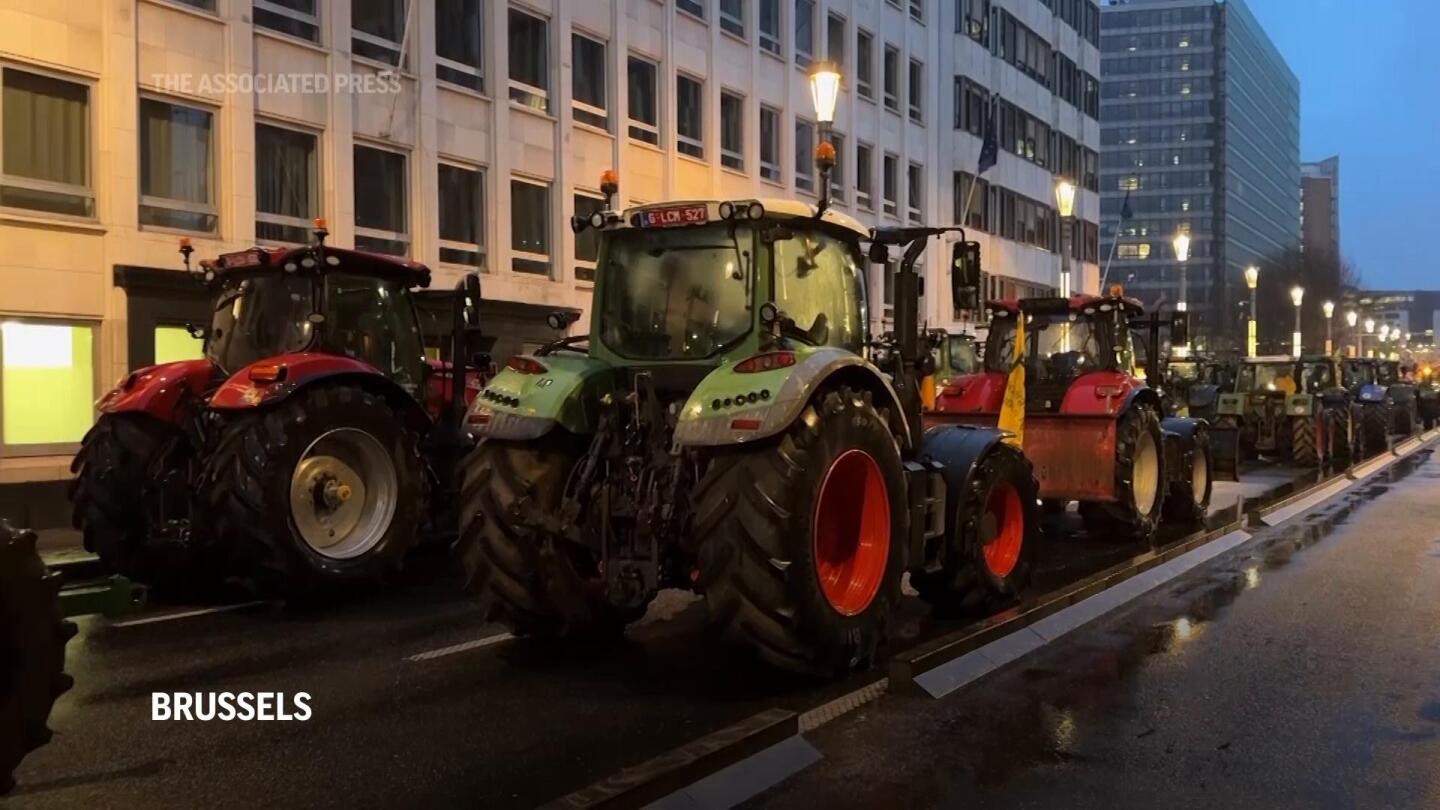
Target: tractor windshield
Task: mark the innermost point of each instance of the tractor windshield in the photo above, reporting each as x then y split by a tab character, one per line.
1387	374
676	293
1057	348
372	319
1256	378
1317	377
260	316
1357	373
964	356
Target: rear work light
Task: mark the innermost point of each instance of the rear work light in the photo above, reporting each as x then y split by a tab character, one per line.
526	365
765	362
268	373
1108	391
745	424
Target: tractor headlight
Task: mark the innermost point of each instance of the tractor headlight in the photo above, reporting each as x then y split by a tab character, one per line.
727	210
755	210
597	219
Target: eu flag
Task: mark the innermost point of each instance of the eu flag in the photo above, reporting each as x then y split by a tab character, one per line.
990	149
1125	211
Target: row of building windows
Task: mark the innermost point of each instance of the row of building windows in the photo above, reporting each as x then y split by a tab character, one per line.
1158	41
984	206
1157	134
1030	53
1158	204
1151	110
1159	88
1024	135
1112	66
1157	180
1152	18
974	18
1142	158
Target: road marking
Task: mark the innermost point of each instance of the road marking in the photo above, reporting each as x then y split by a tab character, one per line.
1281	515
459	648
185	614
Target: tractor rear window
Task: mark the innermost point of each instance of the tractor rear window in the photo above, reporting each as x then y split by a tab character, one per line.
676	293
372	319
1257	378
261	316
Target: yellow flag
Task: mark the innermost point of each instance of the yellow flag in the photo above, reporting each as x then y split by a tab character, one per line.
1012	411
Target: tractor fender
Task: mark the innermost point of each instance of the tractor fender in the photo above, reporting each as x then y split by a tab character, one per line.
304	370
535	393
1144	395
1202	396
957	450
770	401
1178	436
158	390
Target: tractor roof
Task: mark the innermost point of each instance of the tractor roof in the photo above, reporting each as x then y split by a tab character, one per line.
1269	360
340	259
777	207
1076	303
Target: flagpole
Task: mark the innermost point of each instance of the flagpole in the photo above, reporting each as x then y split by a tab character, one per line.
1114	242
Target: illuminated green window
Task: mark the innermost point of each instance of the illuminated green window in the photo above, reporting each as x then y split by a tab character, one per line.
174	343
47	385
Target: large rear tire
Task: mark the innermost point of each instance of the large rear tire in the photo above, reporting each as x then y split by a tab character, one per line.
535	585
1139	480
32	650
320	492
1304	441
1340	445
1375	421
801	537
1406	418
988	561
117	470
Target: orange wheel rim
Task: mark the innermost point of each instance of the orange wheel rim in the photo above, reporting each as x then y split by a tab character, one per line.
1004	529
851	541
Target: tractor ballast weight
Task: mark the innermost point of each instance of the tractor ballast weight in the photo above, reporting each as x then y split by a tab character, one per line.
725	427
303	451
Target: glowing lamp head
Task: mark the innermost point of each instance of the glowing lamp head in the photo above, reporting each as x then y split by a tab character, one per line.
825	90
1252	276
1329	308
1297	294
1065	198
1182	246
1369	325
1351	318
1384	331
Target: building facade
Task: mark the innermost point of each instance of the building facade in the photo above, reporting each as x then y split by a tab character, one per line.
466	133
1320	210
1201	135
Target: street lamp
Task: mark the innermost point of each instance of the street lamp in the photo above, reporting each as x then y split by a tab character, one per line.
1065	201
1329	308
1351	317
1369	330
824	92
1297	295
1182	252
1252	280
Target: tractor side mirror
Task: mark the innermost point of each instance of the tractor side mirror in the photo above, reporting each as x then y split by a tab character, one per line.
965	276
879	253
471	291
1179	328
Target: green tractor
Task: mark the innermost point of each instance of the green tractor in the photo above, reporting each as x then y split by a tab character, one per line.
724	428
1290	410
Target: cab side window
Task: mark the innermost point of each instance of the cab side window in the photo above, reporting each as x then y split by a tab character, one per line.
817	285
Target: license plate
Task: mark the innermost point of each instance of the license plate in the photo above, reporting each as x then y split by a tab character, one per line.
248	258
679	215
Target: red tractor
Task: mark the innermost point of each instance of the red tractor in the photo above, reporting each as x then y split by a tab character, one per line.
1093	429
304	449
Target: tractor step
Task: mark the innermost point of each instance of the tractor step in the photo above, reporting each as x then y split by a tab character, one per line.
86	587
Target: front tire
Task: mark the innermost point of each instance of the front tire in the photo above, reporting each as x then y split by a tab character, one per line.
320	492
1304	441
802	537
1139	480
32	650
1375	427
1189	498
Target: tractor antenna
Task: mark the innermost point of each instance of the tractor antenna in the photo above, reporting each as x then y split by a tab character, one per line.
824	161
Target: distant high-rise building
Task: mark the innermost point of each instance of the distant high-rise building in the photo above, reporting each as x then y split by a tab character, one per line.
1320	209
1200	128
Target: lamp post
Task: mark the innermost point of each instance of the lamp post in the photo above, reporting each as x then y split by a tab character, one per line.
1350	319
825	93
1252	280
1384	335
1297	295
1369	330
1065	202
1329	308
1181	244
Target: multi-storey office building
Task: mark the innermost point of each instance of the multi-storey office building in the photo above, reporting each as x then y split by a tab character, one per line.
1202	135
1320	209
464	134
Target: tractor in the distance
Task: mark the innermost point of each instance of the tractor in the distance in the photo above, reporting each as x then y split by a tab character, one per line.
1195	383
722	428
955	354
1292	410
1386	403
1094	430
304	450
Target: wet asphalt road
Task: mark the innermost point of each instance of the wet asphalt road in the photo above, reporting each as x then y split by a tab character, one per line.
477	720
1301	670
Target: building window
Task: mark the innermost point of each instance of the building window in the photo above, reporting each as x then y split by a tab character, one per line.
804	155
45	144
917	10
530	226
462	215
203	5
770	144
689	116
770	26
889	168
644	106
891	71
971	106
377	29
177	167
47	386
587	242
732	131
804	32
695	7
916	91
974	20
588	79
835	41
458	43
915	190
298	18
837	172
732	17
864	176
287	184
529	61
864	64
972	205
382	193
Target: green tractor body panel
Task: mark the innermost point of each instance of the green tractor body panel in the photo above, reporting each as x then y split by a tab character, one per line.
1300	405
761	404
517	405
1231	405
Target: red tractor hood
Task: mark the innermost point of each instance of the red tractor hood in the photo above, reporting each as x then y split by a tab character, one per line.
159	390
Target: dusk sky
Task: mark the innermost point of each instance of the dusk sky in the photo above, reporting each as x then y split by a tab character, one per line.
1370	92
